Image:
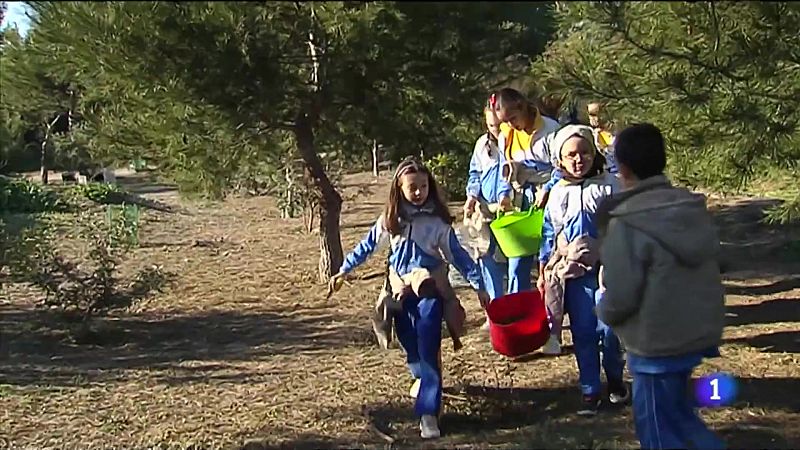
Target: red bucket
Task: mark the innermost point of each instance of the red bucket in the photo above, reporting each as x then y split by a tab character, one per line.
518	323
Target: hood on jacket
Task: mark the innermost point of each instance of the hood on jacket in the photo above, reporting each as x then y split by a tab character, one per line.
408	211
674	217
583	132
569	131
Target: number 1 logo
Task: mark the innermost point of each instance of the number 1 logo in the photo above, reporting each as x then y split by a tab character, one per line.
715	390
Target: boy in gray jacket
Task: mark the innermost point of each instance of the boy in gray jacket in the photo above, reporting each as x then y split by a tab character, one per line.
664	296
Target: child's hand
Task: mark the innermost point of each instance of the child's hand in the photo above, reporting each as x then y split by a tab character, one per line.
541	285
505	204
483	298
405	292
335	283
469	206
541	198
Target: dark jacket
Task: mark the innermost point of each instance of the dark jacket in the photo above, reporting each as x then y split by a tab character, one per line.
664	290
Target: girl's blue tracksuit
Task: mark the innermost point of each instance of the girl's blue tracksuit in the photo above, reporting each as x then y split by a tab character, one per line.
570	210
486	184
423	239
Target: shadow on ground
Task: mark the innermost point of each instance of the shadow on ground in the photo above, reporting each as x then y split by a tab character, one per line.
780	286
476	415
143	183
778	342
770	311
750	244
36	348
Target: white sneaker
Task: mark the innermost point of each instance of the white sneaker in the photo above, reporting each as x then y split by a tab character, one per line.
429	427
414	391
485	326
552	347
619	393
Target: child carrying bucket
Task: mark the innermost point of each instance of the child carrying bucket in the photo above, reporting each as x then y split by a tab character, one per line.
418	226
569	260
520	155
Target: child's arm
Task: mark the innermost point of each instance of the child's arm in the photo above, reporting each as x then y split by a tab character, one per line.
555	175
623	276
503	187
474	180
365	248
548	239
456	255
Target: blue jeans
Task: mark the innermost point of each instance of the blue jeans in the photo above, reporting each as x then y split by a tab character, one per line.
419	330
664	413
579	302
613	364
518	269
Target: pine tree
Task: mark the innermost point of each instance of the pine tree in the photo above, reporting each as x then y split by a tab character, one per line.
182	79
722	79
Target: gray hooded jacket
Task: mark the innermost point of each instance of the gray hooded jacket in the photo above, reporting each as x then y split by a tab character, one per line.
664	292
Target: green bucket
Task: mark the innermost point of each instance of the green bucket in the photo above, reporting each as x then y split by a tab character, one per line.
519	233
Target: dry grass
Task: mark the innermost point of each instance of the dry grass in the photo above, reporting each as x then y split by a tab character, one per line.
244	351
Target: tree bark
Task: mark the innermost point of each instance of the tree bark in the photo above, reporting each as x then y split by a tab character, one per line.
375	168
43	171
330	204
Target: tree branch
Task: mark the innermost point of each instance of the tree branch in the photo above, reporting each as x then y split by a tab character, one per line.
624	32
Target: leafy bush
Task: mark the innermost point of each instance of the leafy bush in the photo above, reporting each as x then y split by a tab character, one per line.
23	196
78	287
451	171
102	193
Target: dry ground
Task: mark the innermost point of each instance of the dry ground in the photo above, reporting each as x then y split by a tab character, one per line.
243	350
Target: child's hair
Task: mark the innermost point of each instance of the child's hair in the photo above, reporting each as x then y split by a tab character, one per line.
488	107
550	105
640	148
391	215
490	103
585	133
508	98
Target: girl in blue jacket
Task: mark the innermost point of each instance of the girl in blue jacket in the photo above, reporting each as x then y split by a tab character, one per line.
518	144
569	264
418	226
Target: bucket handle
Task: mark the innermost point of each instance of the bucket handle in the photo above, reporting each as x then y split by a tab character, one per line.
530	212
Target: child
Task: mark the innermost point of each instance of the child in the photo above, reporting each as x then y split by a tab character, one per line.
480	208
507	181
568	261
419	227
603	138
664	293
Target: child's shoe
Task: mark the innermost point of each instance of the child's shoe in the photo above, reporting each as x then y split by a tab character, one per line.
590	405
429	427
414	391
618	392
552	347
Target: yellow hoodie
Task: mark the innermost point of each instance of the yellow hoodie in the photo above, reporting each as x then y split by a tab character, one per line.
519	141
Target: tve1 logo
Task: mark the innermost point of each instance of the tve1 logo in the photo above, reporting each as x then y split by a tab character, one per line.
715	390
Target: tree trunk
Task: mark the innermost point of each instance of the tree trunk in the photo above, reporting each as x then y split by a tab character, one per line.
375	170
330	205
330	202
288	209
43	172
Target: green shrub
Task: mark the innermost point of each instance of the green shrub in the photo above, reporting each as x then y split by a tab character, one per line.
103	193
73	284
19	196
451	171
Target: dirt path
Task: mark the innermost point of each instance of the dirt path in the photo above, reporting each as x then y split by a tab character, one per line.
244	349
